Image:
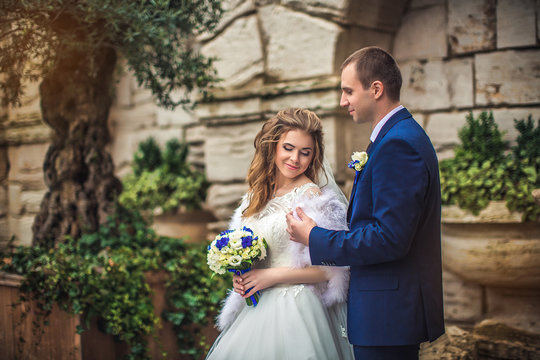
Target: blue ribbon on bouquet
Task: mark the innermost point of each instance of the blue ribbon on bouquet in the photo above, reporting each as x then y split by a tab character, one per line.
253	300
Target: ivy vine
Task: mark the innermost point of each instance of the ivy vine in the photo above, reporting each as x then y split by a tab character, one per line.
102	275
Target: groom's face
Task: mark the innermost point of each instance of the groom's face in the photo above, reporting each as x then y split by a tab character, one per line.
357	100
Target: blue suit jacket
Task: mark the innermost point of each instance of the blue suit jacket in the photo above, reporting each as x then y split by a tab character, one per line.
394	242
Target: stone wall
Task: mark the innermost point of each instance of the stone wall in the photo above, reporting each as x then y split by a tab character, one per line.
456	56
459	56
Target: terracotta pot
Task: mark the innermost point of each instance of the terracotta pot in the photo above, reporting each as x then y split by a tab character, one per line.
57	341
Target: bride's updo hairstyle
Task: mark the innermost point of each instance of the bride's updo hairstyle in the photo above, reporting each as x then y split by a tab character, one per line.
261	176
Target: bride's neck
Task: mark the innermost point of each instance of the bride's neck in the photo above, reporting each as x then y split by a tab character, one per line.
283	186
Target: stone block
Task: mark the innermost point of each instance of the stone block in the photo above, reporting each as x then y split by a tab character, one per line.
139	116
4	232
33	133
22	229
515	307
15	205
176	117
355	38
26	163
4	163
239	52
229	151
314	100
228	108
424	3
507	77
425	85
459	73
298	45
342	137
31	201
232	10
141	95
322	4
375	14
538	19
3	201
422	34
462	300
225	198
124	89
195	134
471	25
516	23
442	129
455	343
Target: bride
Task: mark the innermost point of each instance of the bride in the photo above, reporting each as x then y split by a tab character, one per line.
302	309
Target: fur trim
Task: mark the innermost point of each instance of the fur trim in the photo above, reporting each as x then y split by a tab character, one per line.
232	305
328	212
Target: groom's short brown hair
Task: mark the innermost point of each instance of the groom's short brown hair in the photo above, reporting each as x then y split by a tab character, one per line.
373	63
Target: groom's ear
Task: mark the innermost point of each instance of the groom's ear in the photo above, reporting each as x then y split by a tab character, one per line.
377	89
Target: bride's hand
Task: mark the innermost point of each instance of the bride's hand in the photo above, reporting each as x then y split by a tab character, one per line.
237	284
258	279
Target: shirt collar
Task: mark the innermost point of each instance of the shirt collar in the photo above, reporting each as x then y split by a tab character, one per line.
383	121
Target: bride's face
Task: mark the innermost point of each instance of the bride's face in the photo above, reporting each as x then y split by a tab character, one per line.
294	153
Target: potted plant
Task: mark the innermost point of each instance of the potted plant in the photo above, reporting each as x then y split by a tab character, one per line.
140	289
490	230
164	185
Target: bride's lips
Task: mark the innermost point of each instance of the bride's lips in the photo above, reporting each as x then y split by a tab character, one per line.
292	167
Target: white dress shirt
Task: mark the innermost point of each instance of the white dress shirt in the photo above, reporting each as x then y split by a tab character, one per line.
381	123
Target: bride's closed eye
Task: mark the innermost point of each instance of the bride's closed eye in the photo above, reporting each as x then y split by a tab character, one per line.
291	148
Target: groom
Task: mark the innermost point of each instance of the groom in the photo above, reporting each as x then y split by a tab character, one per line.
394	244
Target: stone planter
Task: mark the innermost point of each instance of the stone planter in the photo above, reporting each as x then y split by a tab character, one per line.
191	225
500	254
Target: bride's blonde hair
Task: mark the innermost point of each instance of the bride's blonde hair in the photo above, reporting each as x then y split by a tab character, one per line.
261	176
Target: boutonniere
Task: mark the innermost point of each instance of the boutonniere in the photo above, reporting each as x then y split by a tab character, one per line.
359	160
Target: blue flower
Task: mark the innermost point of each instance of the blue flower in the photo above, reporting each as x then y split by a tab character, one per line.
222	242
247	241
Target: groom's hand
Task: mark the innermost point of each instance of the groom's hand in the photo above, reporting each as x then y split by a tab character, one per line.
299	229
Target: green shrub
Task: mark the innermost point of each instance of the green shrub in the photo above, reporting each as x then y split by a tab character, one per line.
482	170
103	275
163	179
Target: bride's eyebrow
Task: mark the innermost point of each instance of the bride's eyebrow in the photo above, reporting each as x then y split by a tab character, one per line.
305	148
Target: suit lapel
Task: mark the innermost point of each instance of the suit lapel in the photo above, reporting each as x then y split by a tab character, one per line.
397	117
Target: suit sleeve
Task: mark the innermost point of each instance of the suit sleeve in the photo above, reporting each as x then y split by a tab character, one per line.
399	181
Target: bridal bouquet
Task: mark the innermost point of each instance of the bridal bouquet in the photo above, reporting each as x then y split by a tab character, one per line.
234	251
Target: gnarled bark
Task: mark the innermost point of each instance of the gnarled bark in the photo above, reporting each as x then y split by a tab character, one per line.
78	169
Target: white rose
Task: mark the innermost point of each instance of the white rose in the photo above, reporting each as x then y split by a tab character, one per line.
235	244
235	260
361	157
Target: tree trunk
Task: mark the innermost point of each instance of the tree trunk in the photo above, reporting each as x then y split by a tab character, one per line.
78	170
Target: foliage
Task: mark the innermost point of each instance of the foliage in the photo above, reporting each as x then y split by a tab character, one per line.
525	170
163	179
155	37
103	275
481	171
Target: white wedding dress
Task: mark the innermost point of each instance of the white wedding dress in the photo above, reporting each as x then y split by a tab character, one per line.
296	322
